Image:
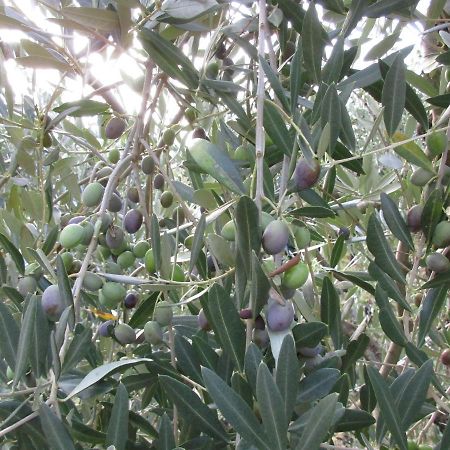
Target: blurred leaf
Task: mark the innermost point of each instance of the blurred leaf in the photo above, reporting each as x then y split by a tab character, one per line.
275	126
385	7
432	213
330	311
293	12
84	108
439	280
194	411
96	18
441	101
65	289
287	375
77	347
50	240
156	242
220	249
275	83
354	351
388	409
395	221
317	385
16	256
315	212
9	336
333	67
318	423
309	334
271	408
382	47
338	251
445	441
354	15
208	357
346	134
56	433
381	250
165	440
235	410
429	311
117	432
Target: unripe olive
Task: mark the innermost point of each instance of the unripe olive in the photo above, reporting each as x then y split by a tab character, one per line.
414	218
133	195
113	293
148	165
436	143
199	133
115	203
76	266
177	273
124	334
71	236
178	215
27	285
203	321
212	70
302	237
441	235
191	114
153	332
112	267
106	328
141	248
88	232
295	276
168	136
158	181
92	194
115	128
445	357
229	231
47	140
92	281
421	176
114	237
166	199
9	373
131	300
163	313
306	173
242	153
126	259
275	237
279	317
52	302
132	221
437	262
114	156
67	259
188	242
149	261
103	174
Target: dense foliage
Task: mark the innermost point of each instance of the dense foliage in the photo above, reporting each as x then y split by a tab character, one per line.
241	241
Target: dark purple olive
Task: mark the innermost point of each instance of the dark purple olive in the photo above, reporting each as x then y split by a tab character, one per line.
310	352
203	321
131	300
133	195
344	232
115	128
52	302
414	218
132	221
279	317
259	323
114	237
105	329
245	313
275	237
158	181
306	173
115	203
199	133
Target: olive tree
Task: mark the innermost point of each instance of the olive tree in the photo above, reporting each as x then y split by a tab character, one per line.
241	242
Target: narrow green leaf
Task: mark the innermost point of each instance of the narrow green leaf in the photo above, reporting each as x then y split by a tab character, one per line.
338	251
295	74
235	410
197	243
227	326
395	221
81	108
386	7
65	289
156	242
318	424
275	126
287	375
353	420
389	411
276	85
50	240
40	334
330	312
309	334
16	256
9	336
77	347
445	441
411	152
187	359
347	134
293	12
439	280
56	433
260	286
117	432
317	384
208	357
313	43
354	15
165	440
332	69
432	213
431	307
355	350
331	114
253	358
380	248
194	411
394	94
315	212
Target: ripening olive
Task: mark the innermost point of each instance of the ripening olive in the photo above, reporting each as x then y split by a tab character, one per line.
147	165
106	328
421	176
115	203
414	218
245	313
71	235
306	173
199	133
163	313
124	334
445	357
166	199
279	317
115	237
260	338
441	235
437	262
131	300
158	181
132	221
133	195
275	237
92	194
27	285
178	215
115	128
52	302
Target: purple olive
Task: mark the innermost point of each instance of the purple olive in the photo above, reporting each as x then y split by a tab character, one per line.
132	221
105	328
115	203
158	181
306	173
114	237
133	195
115	128
414	218
279	317
275	237
245	313
131	300
203	321
52	303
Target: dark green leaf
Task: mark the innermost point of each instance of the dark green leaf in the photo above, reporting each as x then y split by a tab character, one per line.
439	280
117	432
16	256
165	440
388	409
77	348
333	67
9	336
441	101
260	286
355	350
296	73
338	251
445	441
253	358
431	307
380	248
64	287
84	108
309	334
395	221
342	152
205	352
331	114
187	359
197	243
235	410
144	311
347	134
354	15
315	212
330	312
57	436
353	420
432	213
192	408
50	240
275	83
275	126
386	7
317	385
357	280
